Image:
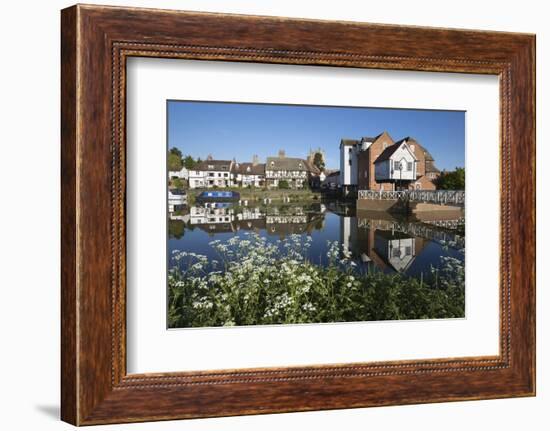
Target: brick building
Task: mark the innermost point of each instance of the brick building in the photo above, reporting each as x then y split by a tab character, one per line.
380	163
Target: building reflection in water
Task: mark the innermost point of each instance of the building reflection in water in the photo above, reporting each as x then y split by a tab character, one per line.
280	220
374	240
378	244
391	244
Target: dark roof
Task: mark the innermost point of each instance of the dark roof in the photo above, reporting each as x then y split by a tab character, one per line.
369	138
252	224
285	164
333	174
349	142
374	138
391	235
388	152
215	227
247	168
213	165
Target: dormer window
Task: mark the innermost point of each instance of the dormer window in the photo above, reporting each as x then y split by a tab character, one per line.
248	169
210	166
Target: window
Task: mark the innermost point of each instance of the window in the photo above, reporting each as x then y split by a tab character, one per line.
350	162
397	165
408	250
409	166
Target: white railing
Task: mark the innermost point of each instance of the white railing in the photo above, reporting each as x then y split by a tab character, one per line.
438	231
443	197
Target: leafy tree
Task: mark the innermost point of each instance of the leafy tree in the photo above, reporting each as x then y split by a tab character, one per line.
283	185
318	161
177	183
174	162
189	162
176	229
452	180
176	151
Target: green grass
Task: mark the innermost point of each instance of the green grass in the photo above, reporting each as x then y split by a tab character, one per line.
258	194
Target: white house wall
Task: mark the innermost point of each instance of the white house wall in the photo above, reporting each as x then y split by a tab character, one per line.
403	156
348	174
385	170
196	179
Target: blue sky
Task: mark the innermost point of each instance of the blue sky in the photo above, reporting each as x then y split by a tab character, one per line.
239	130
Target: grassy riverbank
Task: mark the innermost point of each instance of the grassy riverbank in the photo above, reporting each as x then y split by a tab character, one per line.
256	283
258	194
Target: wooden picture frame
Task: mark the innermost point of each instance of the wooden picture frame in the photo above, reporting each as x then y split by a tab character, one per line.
95	43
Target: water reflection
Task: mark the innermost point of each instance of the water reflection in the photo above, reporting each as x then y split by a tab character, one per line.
375	241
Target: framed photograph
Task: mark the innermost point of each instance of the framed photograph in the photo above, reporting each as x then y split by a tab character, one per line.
264	215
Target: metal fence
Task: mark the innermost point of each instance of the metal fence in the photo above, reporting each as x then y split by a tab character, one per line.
443	197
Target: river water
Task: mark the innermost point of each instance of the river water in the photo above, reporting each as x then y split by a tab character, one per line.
375	241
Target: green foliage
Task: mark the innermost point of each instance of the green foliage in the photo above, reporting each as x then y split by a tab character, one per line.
318	161
189	162
177	183
255	282
176	152
453	180
174	161
283	185
176	228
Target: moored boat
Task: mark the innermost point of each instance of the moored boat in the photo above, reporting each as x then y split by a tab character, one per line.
218	196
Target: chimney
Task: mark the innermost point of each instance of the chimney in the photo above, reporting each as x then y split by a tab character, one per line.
281	154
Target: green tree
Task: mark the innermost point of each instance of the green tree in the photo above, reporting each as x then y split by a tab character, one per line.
174	162
177	183
318	161
176	229
283	185
176	151
452	180
189	162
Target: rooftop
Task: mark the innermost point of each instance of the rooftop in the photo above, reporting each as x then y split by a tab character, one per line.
213	165
247	168
286	164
